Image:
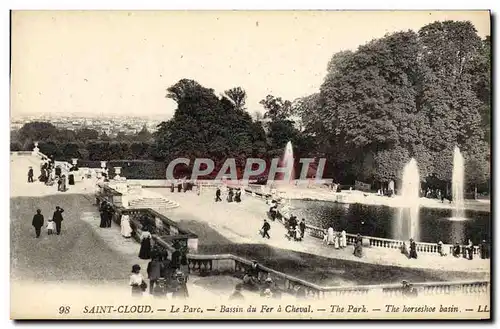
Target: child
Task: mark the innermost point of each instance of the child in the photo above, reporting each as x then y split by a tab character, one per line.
325	237
298	236
51	227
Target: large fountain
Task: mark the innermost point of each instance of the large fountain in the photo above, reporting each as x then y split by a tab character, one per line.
407	225
457	186
286	161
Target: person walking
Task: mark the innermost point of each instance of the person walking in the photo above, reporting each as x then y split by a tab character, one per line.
343	239
30	175
265	229
154	273
58	218
145	251
37	222
413	249
103	213
217	195
302	226
126	230
331	234
51	227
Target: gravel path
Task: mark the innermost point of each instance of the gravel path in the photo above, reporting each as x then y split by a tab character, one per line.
78	254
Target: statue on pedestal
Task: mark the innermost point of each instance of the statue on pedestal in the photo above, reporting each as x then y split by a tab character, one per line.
36	149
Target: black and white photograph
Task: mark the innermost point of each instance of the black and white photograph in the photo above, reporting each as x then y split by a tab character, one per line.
294	164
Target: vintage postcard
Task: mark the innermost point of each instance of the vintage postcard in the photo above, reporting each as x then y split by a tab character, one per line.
250	165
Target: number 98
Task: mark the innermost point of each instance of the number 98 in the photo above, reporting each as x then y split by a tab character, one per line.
64	310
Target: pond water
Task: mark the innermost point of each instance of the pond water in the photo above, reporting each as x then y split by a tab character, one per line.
377	221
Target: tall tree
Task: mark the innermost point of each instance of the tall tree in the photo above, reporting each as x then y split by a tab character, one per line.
238	97
276	108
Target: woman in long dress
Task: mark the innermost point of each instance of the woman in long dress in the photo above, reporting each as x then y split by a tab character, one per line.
358	247
145	251
343	239
330	235
336	241
125	226
104	215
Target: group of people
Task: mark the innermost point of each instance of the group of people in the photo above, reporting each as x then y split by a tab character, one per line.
436	194
165	275
252	282
467	251
385	192
49	174
106	212
233	195
53	225
412	252
337	239
295	229
182	186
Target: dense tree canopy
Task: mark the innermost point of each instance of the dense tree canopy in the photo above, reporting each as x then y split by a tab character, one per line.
406	95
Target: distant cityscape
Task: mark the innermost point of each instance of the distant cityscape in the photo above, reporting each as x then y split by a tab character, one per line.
109	124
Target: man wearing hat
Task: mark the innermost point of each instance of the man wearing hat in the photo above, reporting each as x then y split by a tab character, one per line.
38	222
58	218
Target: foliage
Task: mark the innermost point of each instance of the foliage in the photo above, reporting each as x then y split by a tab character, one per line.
406	95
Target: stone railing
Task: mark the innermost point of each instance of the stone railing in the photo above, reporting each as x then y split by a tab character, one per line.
370	241
205	265
389	243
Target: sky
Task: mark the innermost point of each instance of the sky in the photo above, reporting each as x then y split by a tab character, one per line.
122	62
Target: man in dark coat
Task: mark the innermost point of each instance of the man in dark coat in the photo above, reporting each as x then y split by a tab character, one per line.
110	213
30	175
483	250
302	227
217	195
265	229
154	273
413	249
58	218
38	222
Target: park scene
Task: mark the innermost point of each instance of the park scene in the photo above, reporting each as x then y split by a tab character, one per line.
383	187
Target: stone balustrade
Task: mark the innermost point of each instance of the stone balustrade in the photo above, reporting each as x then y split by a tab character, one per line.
224	264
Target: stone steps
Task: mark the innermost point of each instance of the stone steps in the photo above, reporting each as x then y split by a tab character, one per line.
154	203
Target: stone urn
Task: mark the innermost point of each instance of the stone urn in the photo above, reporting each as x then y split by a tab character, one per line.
118	171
